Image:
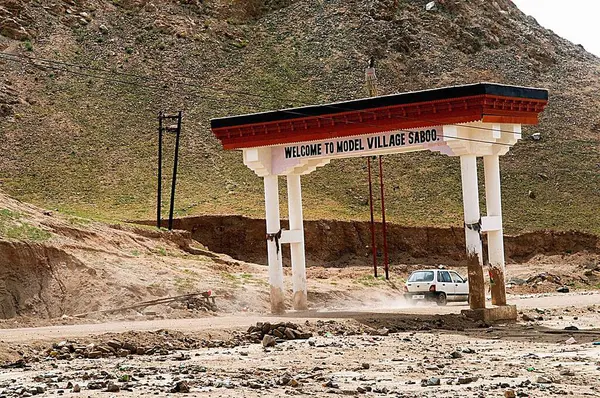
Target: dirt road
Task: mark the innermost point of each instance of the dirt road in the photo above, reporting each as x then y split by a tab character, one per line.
241	321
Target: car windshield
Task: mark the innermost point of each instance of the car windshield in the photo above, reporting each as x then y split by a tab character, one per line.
421	276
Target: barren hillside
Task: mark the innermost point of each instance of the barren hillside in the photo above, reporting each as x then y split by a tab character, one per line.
84	140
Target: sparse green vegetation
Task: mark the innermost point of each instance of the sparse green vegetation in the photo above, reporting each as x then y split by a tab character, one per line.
7	213
79	221
370	280
184	285
11	227
190	272
243	278
28	45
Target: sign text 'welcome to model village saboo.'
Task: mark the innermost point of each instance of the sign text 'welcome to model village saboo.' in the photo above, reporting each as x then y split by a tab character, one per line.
341	146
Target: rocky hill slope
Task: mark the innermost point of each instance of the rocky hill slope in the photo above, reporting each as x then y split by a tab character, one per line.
83	140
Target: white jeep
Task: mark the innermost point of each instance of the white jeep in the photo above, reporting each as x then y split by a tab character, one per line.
439	285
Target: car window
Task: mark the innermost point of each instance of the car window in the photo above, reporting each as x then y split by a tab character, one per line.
421	276
444	276
457	278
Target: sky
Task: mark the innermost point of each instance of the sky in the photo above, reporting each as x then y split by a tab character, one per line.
575	20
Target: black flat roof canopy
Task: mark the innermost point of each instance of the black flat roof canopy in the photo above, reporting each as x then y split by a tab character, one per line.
437	94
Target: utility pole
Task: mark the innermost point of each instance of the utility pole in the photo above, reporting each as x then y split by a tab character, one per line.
175	160
159	185
371	84
373	244
386	265
169	129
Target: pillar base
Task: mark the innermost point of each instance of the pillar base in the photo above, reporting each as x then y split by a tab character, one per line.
476	283
505	313
300	301
277	301
497	286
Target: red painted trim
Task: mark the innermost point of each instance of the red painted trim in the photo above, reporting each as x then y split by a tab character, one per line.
490	109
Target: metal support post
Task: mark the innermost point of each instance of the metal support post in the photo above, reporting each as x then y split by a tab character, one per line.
386	266
159	185
373	245
175	161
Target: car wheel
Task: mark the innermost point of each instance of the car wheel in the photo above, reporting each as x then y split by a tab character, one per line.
441	299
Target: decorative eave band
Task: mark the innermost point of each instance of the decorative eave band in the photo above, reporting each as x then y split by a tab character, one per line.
487	108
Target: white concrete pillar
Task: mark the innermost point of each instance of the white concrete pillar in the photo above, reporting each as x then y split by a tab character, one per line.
470	191
493	202
300	299
274	245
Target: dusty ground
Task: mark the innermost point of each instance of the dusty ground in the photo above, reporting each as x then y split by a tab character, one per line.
66	280
345	356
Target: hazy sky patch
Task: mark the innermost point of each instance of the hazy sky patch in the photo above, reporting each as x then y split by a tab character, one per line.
575	20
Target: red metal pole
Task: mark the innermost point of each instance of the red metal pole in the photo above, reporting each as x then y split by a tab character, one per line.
373	247
385	248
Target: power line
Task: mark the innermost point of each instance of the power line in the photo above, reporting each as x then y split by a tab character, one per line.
237	103
152	78
163	88
224	90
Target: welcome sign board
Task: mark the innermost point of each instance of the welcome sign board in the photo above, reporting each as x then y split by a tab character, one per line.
289	155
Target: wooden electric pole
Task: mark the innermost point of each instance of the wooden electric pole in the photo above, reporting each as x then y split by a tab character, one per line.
371	84
176	128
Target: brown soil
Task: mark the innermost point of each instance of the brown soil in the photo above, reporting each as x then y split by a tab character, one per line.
74	266
44	288
77	269
341	243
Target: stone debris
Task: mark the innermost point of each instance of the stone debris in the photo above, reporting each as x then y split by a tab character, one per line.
433	381
112	387
281	330
466	380
456	355
571	327
162	342
268	341
181	387
395	363
543	380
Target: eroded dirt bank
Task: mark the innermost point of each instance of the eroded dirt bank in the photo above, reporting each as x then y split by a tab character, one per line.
334	243
44	287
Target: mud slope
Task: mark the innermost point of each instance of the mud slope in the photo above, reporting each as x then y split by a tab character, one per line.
35	277
54	265
340	243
